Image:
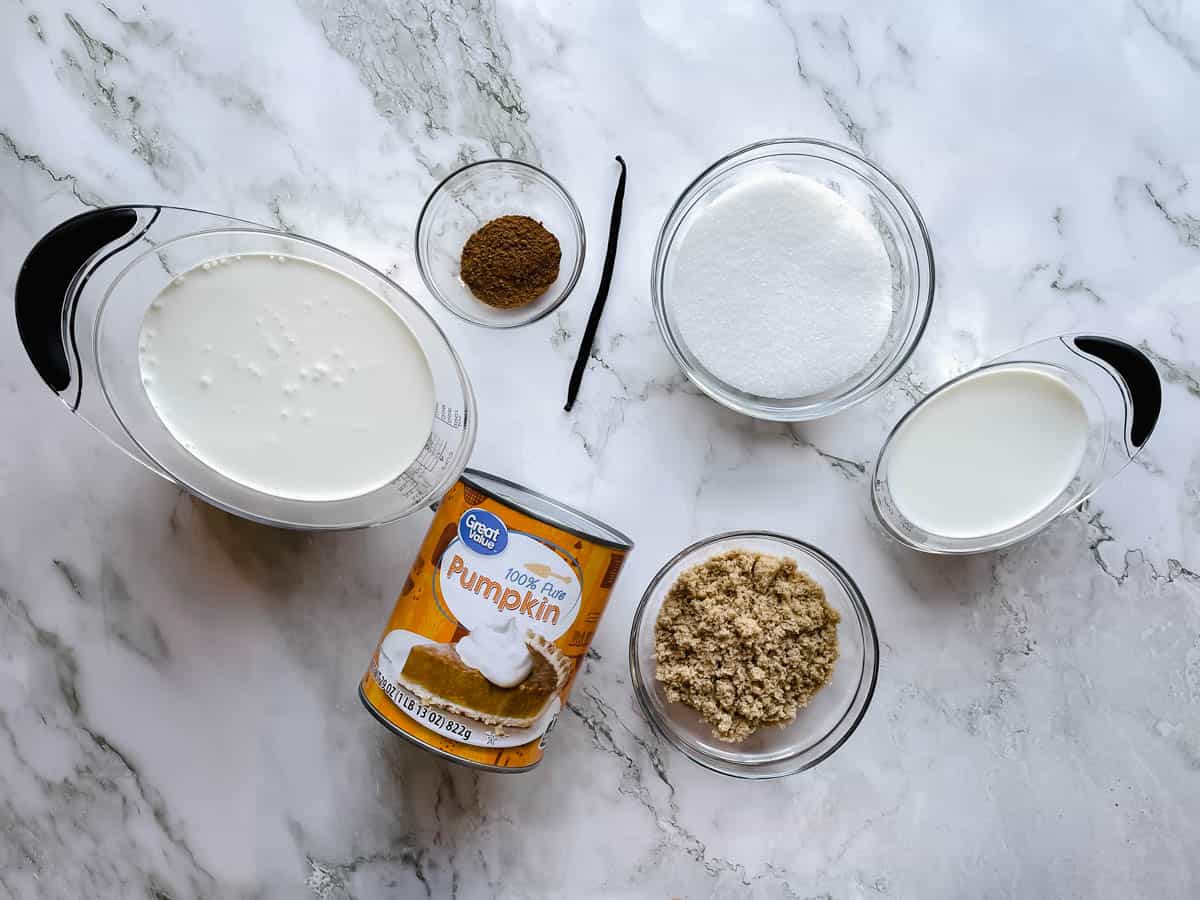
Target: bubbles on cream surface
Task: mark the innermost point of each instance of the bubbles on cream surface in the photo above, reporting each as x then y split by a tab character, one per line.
498	652
286	376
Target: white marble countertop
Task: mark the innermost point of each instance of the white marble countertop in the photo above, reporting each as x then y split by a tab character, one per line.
178	716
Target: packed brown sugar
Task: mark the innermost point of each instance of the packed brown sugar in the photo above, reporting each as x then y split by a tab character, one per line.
745	639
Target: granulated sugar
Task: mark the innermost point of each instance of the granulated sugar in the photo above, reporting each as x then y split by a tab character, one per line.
782	288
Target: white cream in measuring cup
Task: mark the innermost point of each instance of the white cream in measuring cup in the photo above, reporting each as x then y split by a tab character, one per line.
993	456
286	376
988	452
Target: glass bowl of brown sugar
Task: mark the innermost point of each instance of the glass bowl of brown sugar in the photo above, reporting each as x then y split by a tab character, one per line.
513	214
827	717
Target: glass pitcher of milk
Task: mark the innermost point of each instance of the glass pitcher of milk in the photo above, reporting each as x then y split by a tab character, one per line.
269	374
993	456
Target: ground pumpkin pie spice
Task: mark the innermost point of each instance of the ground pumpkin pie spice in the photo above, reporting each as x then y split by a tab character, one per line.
745	639
510	261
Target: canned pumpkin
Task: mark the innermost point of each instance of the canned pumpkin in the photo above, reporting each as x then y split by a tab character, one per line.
485	639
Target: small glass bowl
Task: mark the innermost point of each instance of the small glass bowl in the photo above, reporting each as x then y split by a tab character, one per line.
820	728
472	197
881	201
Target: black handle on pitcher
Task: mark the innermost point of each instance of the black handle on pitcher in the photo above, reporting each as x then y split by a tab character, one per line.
1141	381
41	296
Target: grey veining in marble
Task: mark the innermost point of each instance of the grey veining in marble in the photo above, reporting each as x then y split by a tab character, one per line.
178	715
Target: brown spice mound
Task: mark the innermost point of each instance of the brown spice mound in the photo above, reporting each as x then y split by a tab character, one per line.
745	639
510	261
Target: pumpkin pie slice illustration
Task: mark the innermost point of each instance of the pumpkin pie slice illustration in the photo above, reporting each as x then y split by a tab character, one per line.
494	675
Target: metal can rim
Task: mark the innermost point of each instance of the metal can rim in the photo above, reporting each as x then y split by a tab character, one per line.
622	542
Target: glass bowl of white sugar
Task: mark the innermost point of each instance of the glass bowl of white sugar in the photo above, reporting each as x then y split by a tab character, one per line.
792	279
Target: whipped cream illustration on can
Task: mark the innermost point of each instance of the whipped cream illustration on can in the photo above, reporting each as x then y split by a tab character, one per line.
498	652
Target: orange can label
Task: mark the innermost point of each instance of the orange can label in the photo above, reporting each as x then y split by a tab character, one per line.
485	640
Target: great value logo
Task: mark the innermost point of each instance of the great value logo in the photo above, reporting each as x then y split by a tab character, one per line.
483	532
503	575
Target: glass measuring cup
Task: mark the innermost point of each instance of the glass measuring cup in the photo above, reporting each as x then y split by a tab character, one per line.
1121	394
80	299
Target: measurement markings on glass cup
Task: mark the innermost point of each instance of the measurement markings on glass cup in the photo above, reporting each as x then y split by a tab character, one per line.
410	483
449	415
434	454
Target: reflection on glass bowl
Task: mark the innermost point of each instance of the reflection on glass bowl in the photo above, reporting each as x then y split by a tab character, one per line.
820	728
470	198
882	203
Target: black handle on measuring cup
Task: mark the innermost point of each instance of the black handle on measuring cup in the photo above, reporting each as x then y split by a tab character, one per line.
1141	380
46	274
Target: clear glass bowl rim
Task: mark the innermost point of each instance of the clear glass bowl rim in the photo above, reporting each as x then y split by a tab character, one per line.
749	771
576	218
850	397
